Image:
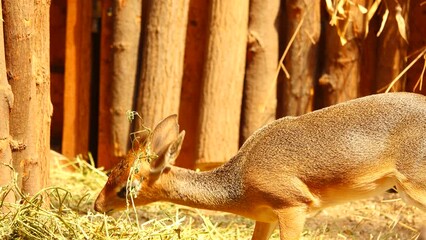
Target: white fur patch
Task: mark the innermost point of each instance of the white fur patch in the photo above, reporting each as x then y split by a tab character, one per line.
363	145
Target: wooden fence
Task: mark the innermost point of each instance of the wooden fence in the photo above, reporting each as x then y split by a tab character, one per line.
215	64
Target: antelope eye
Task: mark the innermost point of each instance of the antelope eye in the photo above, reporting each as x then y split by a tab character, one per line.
134	188
122	193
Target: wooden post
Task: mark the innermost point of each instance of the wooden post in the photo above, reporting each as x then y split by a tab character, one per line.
6	104
77	78
392	49
301	60
28	67
57	67
369	60
417	18
162	60
105	143
260	87
44	109
196	42
125	49
121	24
18	37
223	79
341	74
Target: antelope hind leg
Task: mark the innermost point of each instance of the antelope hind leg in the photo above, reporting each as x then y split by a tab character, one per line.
262	230
291	221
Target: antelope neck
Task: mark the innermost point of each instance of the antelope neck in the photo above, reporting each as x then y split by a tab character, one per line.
218	189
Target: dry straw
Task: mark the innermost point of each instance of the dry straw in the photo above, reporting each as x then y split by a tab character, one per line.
71	215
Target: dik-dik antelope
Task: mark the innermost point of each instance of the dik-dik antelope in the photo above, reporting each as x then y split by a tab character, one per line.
292	166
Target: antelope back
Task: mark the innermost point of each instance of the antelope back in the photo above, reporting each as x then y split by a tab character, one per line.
351	150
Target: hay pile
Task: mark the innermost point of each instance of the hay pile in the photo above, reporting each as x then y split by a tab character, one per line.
71	216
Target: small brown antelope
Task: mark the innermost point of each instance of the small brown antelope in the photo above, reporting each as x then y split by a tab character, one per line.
292	166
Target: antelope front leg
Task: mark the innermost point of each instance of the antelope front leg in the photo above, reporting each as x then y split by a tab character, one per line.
262	230
291	221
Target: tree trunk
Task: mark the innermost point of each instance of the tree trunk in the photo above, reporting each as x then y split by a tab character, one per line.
58	11
392	49
341	75
369	59
260	86
6	104
44	108
78	60
222	83
28	70
301	60
196	42
18	37
416	42
105	139
125	45
162	60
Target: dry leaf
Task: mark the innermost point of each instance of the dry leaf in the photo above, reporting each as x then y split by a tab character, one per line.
341	8
373	9
423	73
330	6
370	14
362	9
401	23
384	20
332	12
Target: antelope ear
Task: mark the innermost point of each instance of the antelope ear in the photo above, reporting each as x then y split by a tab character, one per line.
165	161
174	149
165	142
164	134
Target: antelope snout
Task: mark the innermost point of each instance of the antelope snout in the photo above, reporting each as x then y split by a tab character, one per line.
100	204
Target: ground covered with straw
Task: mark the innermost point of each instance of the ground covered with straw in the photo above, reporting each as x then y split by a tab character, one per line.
71	216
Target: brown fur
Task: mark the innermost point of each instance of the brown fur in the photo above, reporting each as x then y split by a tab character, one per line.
298	165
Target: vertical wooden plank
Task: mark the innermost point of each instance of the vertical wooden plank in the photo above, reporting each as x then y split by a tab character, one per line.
125	49
417	41
341	74
260	86
58	14
196	41
391	49
6	104
223	79
162	60
369	59
41	73
77	78
28	69
301	61
18	32
105	143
